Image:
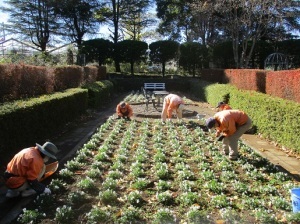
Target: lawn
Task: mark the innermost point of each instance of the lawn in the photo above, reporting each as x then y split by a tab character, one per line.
143	171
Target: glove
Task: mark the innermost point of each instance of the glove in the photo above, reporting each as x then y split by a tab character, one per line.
47	191
220	138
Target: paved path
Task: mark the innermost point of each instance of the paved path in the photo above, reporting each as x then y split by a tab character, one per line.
73	139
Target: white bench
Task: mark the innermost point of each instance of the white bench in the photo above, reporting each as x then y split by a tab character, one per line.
154	86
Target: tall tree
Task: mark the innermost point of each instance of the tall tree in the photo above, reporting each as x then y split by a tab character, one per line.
136	18
110	13
78	18
175	18
246	21
32	18
204	27
163	51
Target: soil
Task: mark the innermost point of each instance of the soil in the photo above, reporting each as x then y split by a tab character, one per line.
193	110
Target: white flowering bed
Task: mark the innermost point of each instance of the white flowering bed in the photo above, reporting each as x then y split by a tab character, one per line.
149	172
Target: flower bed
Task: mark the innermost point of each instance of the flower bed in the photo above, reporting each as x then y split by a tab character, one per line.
149	172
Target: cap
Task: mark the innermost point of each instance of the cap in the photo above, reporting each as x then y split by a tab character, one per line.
210	122
219	104
122	104
48	149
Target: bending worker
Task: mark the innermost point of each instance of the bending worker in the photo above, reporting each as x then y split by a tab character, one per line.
172	102
26	168
230	125
124	110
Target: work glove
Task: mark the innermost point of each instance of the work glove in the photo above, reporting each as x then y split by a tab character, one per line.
47	191
220	138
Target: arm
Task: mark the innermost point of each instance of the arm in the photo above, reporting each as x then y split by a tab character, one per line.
130	111
118	111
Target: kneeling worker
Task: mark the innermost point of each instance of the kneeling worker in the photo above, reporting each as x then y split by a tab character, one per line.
124	110
172	102
26	168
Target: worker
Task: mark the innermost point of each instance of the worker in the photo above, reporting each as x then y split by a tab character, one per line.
172	102
124	110
230	126
223	106
27	167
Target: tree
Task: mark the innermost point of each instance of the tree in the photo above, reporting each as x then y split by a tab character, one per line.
97	50
204	26
136	18
32	18
192	56
163	51
78	18
175	18
246	21
110	12
132	51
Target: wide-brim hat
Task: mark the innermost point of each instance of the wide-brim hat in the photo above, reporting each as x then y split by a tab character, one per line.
48	149
181	107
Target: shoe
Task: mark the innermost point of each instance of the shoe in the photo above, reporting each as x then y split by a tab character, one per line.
233	158
28	192
12	194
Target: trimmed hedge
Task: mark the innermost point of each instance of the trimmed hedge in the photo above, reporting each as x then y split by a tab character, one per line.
99	93
23	123
275	118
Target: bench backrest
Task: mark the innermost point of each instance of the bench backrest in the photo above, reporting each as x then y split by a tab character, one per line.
155	86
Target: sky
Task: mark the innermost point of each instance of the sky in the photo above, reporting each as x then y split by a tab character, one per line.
3	16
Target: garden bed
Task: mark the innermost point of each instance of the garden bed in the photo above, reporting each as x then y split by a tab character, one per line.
143	171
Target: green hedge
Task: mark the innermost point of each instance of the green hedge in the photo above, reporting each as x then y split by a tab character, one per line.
99	92
276	119
23	123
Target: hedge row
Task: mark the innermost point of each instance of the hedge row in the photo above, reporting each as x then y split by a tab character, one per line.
25	122
273	117
284	84
20	81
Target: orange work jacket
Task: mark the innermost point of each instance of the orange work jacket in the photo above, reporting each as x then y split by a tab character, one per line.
224	107
25	165
229	120
126	111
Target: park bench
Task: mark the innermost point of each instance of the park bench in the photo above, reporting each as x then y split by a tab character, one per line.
154	86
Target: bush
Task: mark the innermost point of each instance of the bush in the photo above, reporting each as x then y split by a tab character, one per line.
273	117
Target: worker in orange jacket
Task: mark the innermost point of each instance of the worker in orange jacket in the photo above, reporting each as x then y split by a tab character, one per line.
124	110
172	102
223	106
230	126
26	168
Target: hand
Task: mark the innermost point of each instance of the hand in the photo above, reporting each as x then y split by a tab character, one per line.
47	191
